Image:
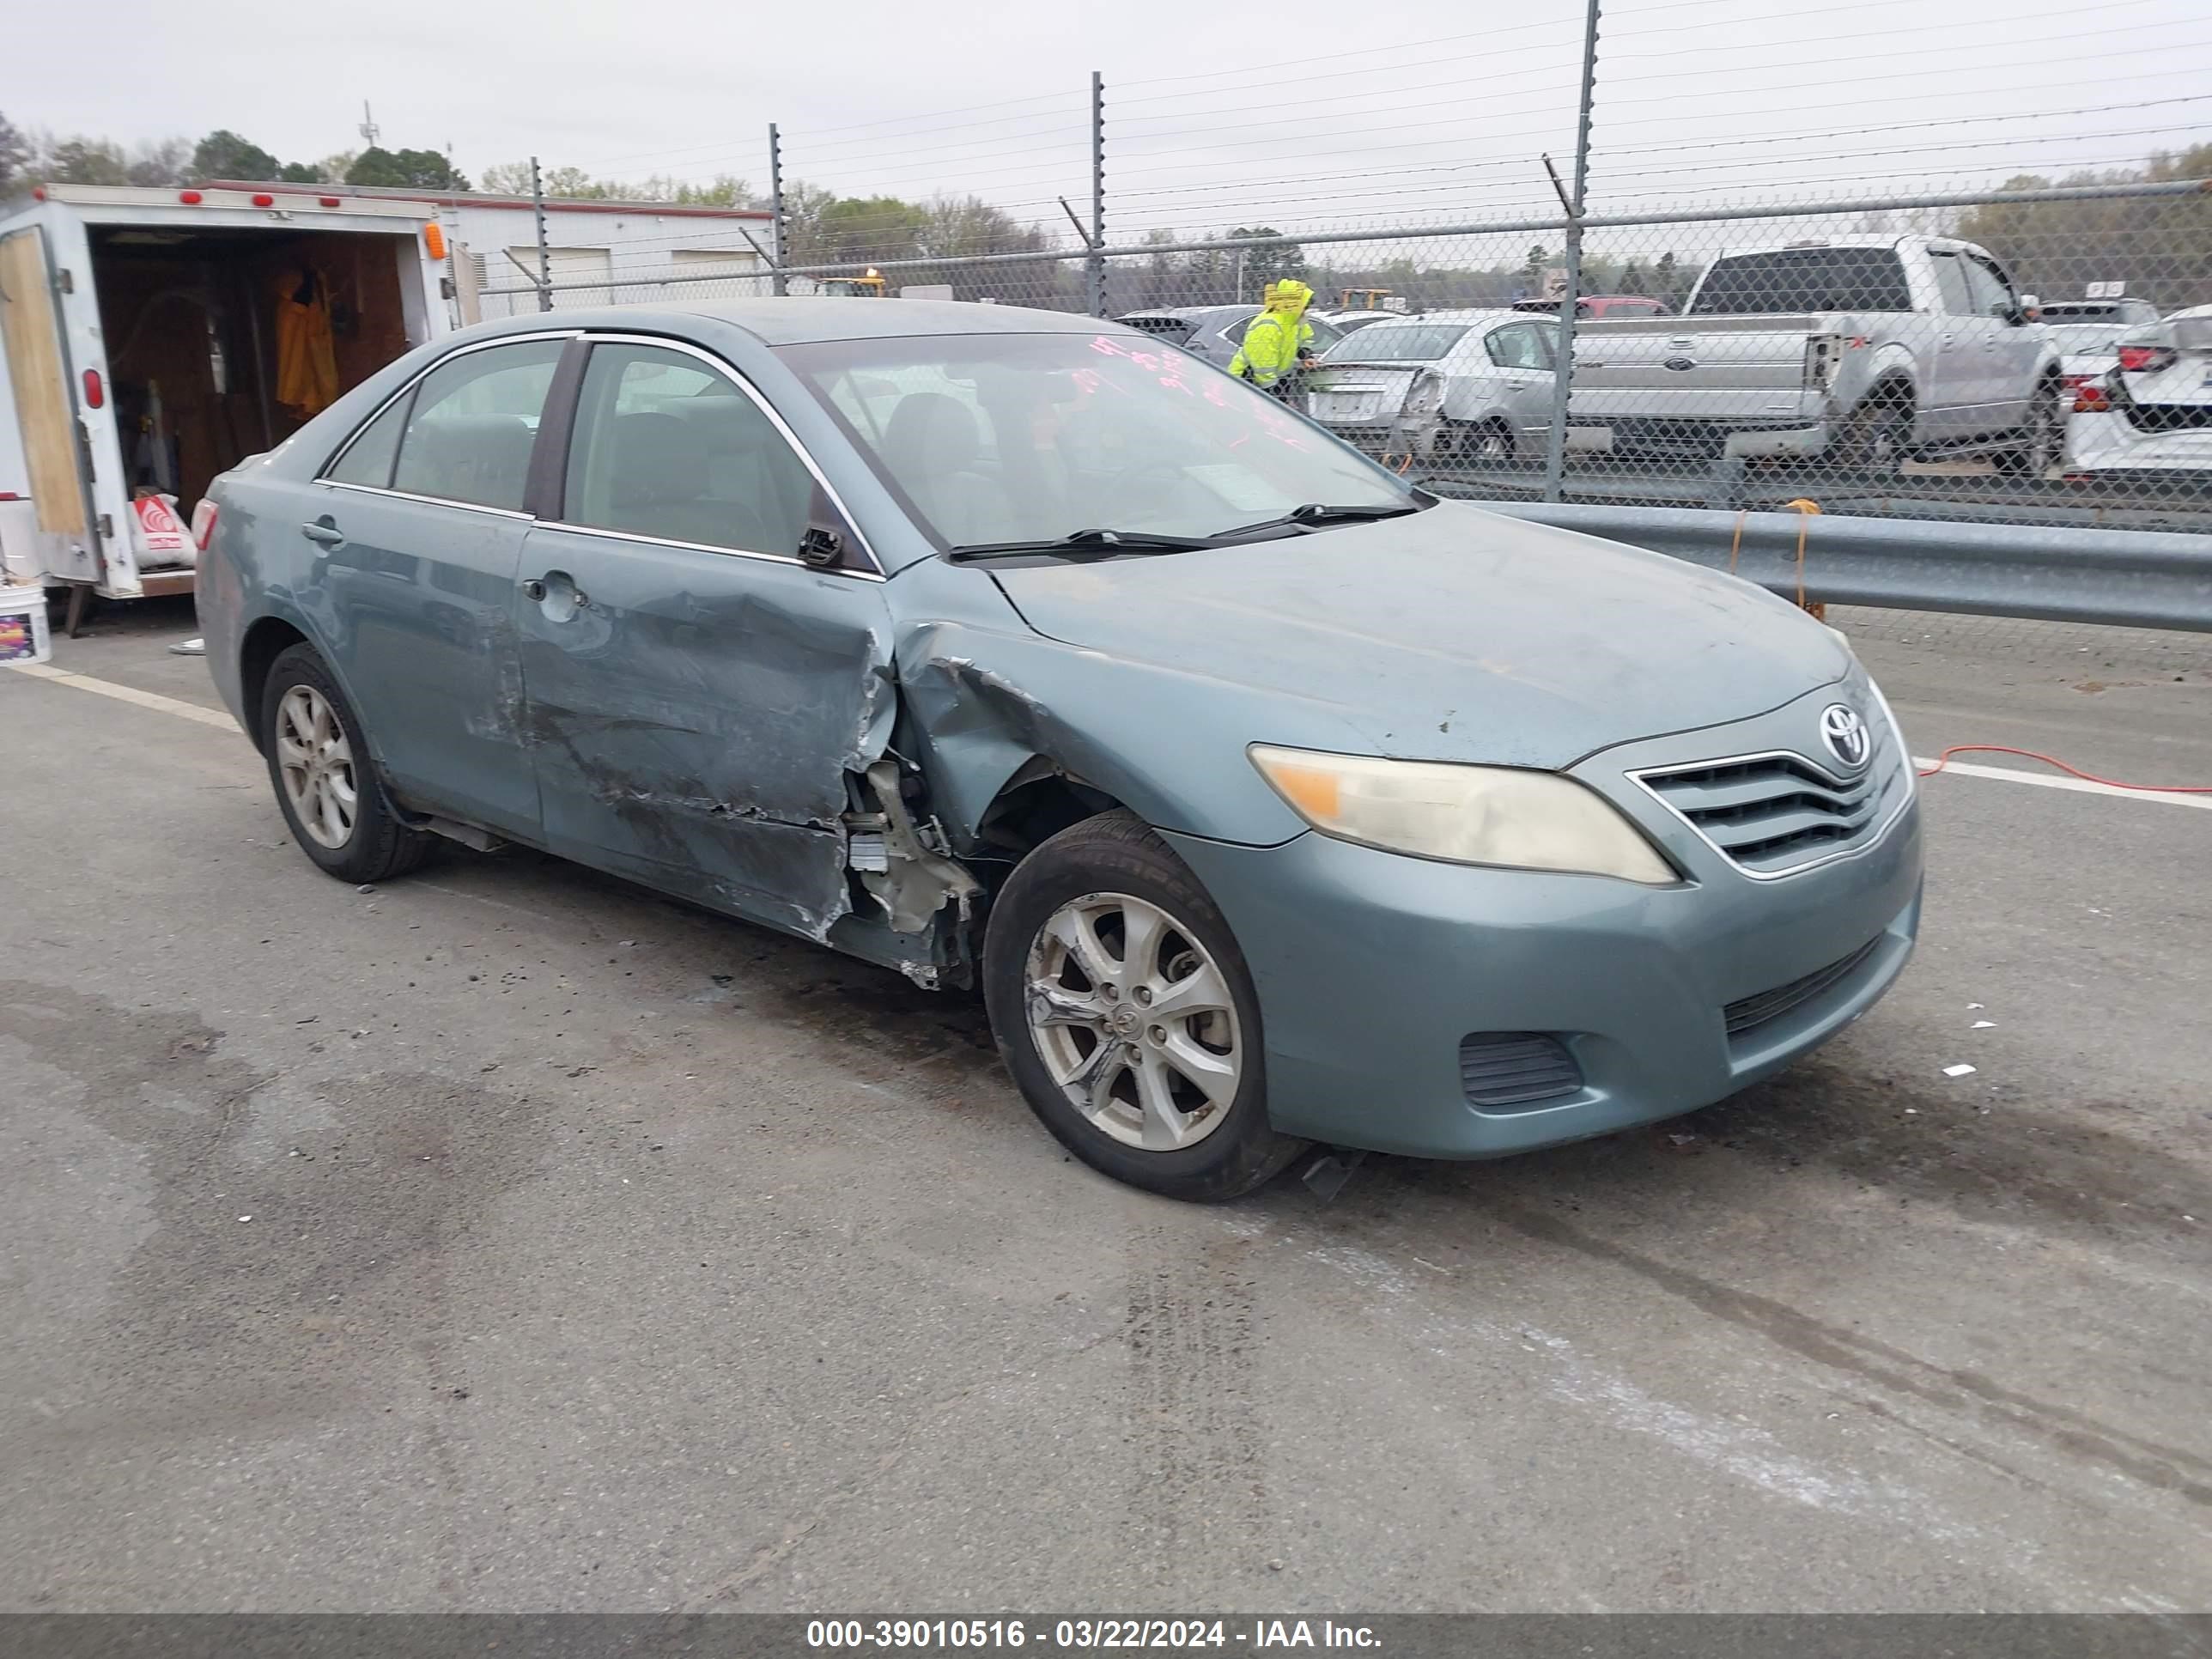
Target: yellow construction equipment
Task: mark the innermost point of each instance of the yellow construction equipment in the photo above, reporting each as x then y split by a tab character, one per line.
867	286
1362	298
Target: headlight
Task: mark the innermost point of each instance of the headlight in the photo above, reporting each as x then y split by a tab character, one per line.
1500	815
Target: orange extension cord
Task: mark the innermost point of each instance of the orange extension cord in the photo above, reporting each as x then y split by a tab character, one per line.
1944	759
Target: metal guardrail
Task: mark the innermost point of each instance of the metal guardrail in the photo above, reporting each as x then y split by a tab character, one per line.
2125	578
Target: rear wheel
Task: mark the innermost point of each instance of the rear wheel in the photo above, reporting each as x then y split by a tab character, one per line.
1875	436
326	783
1127	1015
2045	435
1479	442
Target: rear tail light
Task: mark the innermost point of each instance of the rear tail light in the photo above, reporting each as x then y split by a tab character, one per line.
204	517
2147	360
1823	355
2090	396
95	394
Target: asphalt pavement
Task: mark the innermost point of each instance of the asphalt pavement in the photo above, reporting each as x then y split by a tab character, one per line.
508	1238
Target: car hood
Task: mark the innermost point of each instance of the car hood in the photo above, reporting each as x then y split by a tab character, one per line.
1450	634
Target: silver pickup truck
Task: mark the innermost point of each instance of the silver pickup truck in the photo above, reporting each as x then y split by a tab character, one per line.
1863	350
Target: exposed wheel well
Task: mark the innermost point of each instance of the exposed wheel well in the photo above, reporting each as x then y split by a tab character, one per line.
1033	805
266	642
1891	392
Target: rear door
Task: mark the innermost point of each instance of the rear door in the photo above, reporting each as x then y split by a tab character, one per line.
1519	357
57	446
415	529
698	692
1955	382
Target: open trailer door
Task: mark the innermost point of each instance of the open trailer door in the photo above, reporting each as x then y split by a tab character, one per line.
56	438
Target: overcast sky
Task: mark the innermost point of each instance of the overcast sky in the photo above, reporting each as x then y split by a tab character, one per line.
1699	101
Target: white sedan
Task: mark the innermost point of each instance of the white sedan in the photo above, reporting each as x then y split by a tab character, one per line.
1449	385
2152	411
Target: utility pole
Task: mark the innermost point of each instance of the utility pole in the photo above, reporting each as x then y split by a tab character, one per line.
544	251
779	283
1555	447
1095	267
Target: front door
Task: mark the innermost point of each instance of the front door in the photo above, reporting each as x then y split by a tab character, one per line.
698	696
418	527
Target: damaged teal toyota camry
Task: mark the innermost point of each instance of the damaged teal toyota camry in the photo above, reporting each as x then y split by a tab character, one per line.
1268	799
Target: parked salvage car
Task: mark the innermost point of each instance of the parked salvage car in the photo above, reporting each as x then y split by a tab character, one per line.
1597	305
1268	799
1451	385
2088	332
2152	411
1214	332
1866	350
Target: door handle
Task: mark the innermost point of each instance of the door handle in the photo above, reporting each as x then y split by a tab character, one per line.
322	533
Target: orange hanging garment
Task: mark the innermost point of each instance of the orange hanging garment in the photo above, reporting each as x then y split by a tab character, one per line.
307	361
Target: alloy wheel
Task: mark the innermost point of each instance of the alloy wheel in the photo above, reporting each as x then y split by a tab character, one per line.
316	761
1134	1021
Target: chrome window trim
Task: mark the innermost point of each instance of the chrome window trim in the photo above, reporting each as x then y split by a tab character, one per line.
783	427
792	559
1641	778
323	472
427	500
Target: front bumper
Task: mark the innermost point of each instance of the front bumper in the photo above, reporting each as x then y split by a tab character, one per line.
1372	968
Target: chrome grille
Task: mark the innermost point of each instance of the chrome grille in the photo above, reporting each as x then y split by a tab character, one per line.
1773	813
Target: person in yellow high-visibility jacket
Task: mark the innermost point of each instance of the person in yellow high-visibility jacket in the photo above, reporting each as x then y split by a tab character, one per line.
1278	341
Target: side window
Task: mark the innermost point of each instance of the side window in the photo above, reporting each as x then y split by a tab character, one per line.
1951	282
1325	334
1517	345
474	419
1992	294
669	446
1235	332
367	459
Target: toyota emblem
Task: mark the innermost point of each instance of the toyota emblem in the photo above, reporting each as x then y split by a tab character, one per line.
1844	731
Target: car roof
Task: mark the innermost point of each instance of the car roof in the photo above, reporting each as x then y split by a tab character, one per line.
1179	313
1467	314
2190	312
805	320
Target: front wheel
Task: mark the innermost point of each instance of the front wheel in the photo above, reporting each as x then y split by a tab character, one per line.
1127	1017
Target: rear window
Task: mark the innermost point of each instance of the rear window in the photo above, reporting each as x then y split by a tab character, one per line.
1804	279
1397	342
1174	328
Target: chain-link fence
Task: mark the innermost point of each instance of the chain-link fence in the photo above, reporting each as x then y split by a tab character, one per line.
1935	288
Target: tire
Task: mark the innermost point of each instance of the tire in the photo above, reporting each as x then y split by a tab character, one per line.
303	713
1875	436
1179	1102
2047	437
1472	443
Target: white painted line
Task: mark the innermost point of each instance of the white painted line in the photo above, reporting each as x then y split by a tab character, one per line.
2047	780
189	711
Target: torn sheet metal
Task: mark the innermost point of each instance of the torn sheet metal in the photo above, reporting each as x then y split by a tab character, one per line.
694	717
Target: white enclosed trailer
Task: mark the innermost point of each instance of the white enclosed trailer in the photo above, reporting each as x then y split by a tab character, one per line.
145	337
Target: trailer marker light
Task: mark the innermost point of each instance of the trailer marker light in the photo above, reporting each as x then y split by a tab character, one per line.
434	238
95	395
263	198
328	201
189	198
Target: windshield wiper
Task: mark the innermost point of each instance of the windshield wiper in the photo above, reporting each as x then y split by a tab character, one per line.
1314	515
1085	543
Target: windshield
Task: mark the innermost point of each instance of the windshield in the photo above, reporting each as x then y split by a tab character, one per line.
1397	343
1803	279
2088	339
991	439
